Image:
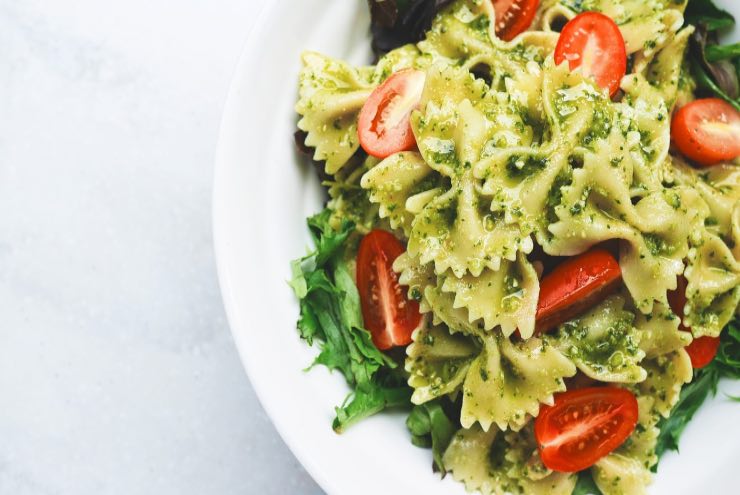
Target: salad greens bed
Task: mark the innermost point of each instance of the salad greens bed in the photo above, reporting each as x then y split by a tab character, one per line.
330	314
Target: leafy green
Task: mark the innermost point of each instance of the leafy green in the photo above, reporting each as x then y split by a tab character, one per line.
693	395
705	81
431	428
727	360
706	13
586	484
397	22
713	66
722	52
330	314
373	396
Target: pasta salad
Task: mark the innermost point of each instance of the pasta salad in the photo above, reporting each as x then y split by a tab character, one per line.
532	234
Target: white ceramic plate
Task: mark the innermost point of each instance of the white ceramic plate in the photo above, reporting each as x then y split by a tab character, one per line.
263	192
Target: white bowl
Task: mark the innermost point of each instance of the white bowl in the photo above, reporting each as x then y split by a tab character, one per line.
263	192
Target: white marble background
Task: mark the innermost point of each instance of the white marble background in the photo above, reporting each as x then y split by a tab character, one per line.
118	374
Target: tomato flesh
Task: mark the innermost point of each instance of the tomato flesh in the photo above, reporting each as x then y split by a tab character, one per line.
574	286
701	350
582	426
707	131
387	312
384	124
513	17
593	42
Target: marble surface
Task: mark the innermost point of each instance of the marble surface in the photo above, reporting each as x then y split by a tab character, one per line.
118	374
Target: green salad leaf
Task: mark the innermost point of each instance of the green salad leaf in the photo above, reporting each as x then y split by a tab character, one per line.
707	13
431	428
722	52
713	66
330	314
586	484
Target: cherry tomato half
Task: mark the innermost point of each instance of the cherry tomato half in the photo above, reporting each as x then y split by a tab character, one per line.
701	350
388	314
575	285
707	131
583	426
593	42
384	125
513	17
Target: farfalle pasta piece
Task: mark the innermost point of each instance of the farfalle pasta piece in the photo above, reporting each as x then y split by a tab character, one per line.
603	343
438	362
331	95
507	382
660	333
468	459
618	474
442	305
597	206
713	290
718	186
506	297
666	375
641	443
456	230
490	462
502	382
713	269
401	185
459	32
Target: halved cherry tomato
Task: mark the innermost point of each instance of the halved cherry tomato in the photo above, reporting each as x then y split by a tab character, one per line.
384	125
575	285
701	350
593	42
513	17
583	426
707	131
388	314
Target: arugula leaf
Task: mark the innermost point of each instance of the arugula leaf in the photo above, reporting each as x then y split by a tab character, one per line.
711	64
727	360
430	427
714	53
705	12
693	395
330	313
586	484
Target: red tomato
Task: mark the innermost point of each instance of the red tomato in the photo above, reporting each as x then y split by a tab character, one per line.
513	16
593	42
384	125
574	286
389	315
701	350
707	131
583	426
